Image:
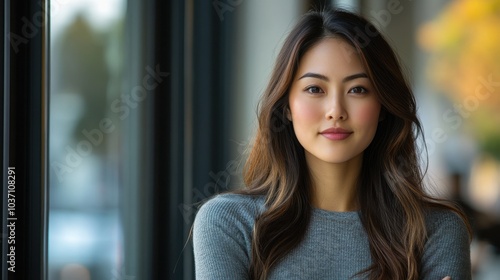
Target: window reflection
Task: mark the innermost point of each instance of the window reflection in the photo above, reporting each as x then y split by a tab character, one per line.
85	234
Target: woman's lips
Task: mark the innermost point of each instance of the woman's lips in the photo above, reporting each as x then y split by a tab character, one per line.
336	136
336	133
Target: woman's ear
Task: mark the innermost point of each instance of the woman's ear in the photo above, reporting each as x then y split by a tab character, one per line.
288	114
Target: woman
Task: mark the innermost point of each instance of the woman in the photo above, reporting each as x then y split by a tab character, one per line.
333	184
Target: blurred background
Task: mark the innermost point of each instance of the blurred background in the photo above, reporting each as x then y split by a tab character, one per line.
153	107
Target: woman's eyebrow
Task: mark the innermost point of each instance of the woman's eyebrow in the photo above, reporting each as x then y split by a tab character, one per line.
325	78
315	75
355	76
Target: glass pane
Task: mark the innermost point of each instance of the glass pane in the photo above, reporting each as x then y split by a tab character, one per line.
85	234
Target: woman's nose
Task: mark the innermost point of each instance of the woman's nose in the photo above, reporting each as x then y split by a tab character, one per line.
336	110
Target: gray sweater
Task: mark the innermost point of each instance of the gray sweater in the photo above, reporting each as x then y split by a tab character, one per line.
335	245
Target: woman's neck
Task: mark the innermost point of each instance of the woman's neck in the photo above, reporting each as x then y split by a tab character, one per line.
334	184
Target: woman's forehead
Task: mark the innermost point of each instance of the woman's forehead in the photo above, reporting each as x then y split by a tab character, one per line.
334	56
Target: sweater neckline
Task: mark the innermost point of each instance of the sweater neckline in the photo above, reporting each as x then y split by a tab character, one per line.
348	215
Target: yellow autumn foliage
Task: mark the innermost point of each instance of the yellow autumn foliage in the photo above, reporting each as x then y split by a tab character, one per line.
464	47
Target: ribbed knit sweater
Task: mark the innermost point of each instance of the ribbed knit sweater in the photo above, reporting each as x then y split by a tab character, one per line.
335	245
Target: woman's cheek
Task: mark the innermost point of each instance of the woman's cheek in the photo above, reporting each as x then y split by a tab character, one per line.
304	111
367	113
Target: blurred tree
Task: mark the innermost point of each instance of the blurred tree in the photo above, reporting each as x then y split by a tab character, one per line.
464	43
84	71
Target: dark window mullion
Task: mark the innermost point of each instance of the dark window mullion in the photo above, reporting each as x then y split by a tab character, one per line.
25	137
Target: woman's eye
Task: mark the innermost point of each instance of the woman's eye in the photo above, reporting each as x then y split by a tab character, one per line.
358	90
314	90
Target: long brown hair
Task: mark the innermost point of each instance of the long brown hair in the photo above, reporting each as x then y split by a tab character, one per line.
390	189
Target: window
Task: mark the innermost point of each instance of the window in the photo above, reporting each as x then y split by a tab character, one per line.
86	126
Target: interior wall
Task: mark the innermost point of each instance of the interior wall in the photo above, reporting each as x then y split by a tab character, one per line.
262	26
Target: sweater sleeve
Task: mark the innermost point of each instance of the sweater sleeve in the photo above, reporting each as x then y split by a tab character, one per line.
447	250
221	239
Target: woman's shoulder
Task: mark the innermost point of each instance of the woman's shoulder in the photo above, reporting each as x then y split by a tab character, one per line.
437	218
444	223
231	206
447	247
222	236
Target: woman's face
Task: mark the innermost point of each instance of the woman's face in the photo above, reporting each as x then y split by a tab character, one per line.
333	107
